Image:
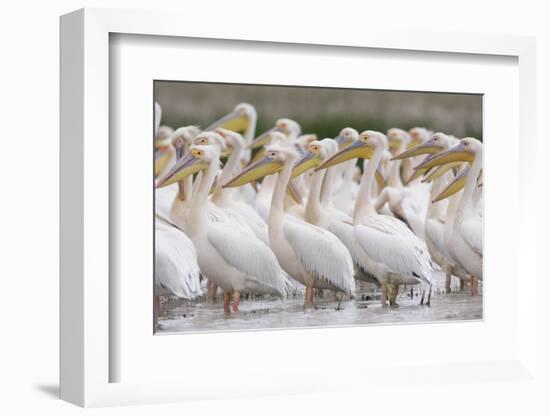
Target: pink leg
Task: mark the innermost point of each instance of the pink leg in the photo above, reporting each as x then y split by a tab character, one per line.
473	285
309	297
212	289
226	300
236	300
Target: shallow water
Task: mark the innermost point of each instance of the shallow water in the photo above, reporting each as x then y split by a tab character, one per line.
265	312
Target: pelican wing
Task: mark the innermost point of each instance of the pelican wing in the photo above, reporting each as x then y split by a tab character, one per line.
344	232
471	230
321	253
248	255
176	267
389	241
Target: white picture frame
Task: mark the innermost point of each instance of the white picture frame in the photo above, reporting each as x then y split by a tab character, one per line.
86	355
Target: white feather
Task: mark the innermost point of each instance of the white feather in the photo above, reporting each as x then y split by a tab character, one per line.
248	255
472	231
389	241
176	268
321	253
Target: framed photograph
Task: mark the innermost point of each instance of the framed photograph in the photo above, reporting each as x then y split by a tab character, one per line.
276	200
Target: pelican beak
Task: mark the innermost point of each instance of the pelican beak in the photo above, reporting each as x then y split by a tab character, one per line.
233	121
183	168
456	153
421	149
309	161
293	192
162	158
263	167
439	171
394	144
356	150
263	138
454	186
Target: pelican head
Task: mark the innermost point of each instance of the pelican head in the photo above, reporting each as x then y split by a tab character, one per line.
346	137
317	152
437	143
198	158
275	157
163	133
289	128
229	140
182	138
237	120
397	137
419	135
364	148
466	150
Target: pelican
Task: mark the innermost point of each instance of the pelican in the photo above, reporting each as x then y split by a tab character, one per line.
290	130
467	227
224	198
408	203
232	258
439	220
309	254
242	119
181	139
324	215
176	269
389	249
344	197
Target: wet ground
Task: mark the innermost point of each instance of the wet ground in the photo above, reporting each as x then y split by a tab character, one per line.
266	312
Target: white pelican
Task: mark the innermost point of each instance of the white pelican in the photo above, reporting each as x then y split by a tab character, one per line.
176	269
291	130
439	218
232	258
391	251
325	215
309	254
181	139
467	227
346	188
408	203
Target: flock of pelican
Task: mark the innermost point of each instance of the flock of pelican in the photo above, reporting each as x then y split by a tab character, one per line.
287	211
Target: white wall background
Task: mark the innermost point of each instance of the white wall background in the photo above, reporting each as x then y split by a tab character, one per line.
29	204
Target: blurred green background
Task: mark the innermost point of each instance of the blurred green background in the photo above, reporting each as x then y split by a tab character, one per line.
324	111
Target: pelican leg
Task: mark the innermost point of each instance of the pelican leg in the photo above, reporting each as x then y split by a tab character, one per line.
212	289
308	297
226	301
429	301
384	296
393	296
473	285
448	282
157	310
236	300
